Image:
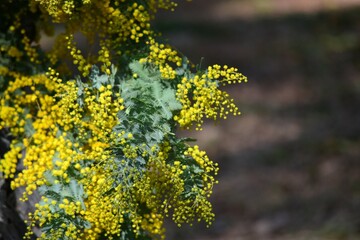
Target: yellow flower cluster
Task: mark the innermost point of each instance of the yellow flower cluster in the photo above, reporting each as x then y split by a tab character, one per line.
11	158
68	133
12	52
200	206
210	168
161	56
153	223
126	21
102	211
162	187
200	96
45	212
159	189
29	50
154	5
186	211
15	99
17	120
58	9
46	151
78	59
47	115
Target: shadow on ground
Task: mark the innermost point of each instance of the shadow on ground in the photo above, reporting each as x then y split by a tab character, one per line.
290	165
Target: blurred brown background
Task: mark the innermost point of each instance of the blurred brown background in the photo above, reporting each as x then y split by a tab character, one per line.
290	163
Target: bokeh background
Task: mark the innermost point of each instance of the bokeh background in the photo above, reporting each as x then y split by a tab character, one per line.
290	164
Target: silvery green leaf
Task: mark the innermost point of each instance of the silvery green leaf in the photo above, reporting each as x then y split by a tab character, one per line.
49	177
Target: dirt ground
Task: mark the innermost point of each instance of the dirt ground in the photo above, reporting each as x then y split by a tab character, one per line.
290	163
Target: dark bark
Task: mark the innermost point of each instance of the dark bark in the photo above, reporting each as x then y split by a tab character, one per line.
12	226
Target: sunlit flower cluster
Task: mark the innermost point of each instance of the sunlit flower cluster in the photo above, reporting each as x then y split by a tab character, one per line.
200	96
162	56
93	129
127	22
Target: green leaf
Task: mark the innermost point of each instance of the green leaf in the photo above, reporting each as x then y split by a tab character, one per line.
53	195
80	93
100	81
49	177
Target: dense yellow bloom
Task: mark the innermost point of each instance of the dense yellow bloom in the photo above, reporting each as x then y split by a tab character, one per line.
101	149
123	20
161	56
200	96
